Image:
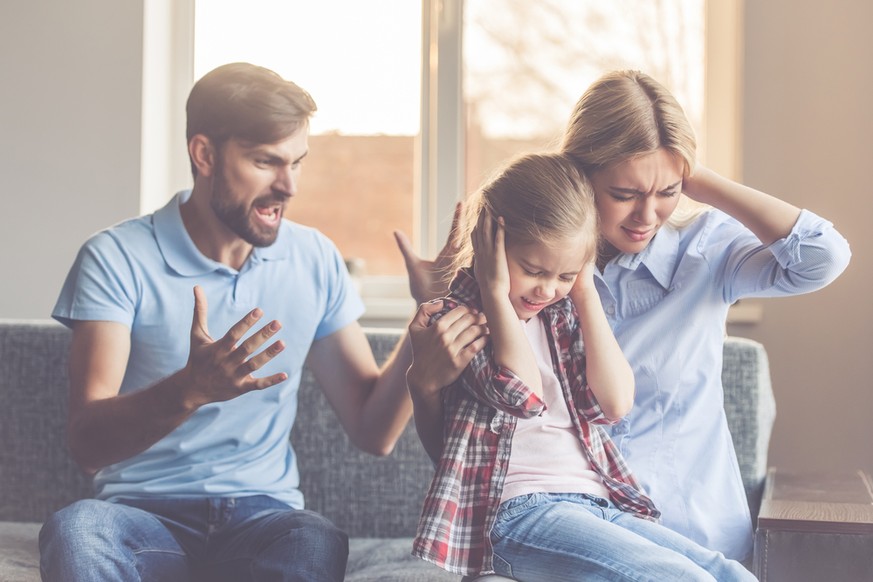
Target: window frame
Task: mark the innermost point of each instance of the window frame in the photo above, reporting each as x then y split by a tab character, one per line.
168	62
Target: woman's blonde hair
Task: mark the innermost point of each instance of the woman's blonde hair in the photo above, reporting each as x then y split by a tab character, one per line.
542	198
626	114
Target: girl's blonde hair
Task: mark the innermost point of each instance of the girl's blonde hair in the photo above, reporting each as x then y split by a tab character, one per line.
542	198
626	114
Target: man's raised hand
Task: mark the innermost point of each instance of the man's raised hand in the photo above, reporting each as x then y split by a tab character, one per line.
428	280
219	370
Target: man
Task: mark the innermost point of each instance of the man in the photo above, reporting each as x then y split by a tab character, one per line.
187	434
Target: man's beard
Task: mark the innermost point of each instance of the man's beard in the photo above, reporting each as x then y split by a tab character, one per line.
237	217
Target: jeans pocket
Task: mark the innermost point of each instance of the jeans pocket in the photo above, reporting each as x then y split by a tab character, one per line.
510	509
518	504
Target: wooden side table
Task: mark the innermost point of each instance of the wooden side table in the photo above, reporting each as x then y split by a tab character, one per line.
815	528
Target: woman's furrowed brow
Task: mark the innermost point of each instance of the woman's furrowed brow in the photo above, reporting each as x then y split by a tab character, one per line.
639	192
626	190
672	186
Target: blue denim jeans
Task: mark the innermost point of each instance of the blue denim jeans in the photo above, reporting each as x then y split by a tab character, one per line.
557	537
168	540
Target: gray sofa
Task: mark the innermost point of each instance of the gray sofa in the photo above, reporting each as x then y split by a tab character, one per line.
375	500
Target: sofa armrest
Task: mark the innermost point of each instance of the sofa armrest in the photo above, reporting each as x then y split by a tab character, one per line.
750	409
37	474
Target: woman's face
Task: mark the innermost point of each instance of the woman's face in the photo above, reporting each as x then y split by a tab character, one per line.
635	198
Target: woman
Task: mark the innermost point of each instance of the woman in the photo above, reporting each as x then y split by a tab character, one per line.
667	272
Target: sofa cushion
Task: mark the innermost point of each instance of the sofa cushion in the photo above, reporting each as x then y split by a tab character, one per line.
390	560
19	560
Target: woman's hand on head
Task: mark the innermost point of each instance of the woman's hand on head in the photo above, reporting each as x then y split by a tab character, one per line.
698	184
584	282
428	280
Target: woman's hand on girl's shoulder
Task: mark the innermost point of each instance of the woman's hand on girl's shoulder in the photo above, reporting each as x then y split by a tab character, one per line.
443	348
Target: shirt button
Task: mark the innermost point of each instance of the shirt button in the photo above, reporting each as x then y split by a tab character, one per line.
610	310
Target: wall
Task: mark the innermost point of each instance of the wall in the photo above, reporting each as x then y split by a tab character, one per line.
69	137
70	154
807	130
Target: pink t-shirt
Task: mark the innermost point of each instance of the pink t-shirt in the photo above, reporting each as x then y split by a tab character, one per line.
547	455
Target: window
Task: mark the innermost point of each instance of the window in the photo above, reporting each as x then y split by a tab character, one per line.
361	62
420	101
527	63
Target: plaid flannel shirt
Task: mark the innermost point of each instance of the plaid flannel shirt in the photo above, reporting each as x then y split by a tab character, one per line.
480	413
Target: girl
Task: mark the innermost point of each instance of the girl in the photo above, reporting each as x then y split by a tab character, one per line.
528	484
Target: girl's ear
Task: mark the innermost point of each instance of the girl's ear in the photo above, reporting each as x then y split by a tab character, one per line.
202	154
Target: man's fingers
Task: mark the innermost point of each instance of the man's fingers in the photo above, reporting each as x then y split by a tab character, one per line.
198	323
258	361
257	339
405	246
239	329
261	383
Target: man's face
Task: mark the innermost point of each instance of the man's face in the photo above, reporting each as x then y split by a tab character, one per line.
253	182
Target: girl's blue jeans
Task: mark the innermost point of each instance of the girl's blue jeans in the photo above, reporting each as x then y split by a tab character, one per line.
558	537
168	540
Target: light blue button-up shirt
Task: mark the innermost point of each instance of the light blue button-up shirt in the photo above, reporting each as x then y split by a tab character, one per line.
667	306
141	273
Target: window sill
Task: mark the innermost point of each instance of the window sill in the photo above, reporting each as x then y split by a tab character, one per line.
387	301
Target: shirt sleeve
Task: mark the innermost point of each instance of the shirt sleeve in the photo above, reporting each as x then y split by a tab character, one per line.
809	258
344	305
100	285
500	387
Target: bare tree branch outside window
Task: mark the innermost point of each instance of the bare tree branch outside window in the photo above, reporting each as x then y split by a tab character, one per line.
527	62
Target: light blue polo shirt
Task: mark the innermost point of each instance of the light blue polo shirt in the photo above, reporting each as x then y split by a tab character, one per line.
141	273
667	306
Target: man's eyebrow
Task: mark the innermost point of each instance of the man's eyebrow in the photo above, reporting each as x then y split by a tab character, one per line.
274	158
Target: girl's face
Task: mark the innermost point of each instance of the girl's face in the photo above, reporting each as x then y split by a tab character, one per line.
542	274
635	198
